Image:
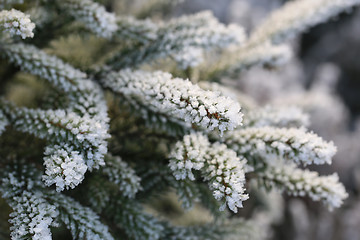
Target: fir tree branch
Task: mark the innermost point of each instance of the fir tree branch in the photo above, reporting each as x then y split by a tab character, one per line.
82	222
180	37
32	215
226	175
259	145
187	191
219	165
295	17
16	23
155	181
299	182
24	191
238	59
64	167
120	173
130	28
85	95
130	216
176	99
60	127
188	155
289	117
92	15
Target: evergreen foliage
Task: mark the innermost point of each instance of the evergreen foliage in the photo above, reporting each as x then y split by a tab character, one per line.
144	117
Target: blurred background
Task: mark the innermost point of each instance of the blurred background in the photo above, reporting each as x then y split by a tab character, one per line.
323	78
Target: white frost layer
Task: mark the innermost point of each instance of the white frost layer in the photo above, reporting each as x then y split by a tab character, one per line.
175	98
16	23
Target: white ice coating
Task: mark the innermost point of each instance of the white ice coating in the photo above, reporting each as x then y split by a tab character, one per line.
291	143
16	23
301	182
219	165
175	98
64	167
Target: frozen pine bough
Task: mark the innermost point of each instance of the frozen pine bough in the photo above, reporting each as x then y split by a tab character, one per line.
16	23
218	165
96	145
177	100
299	182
